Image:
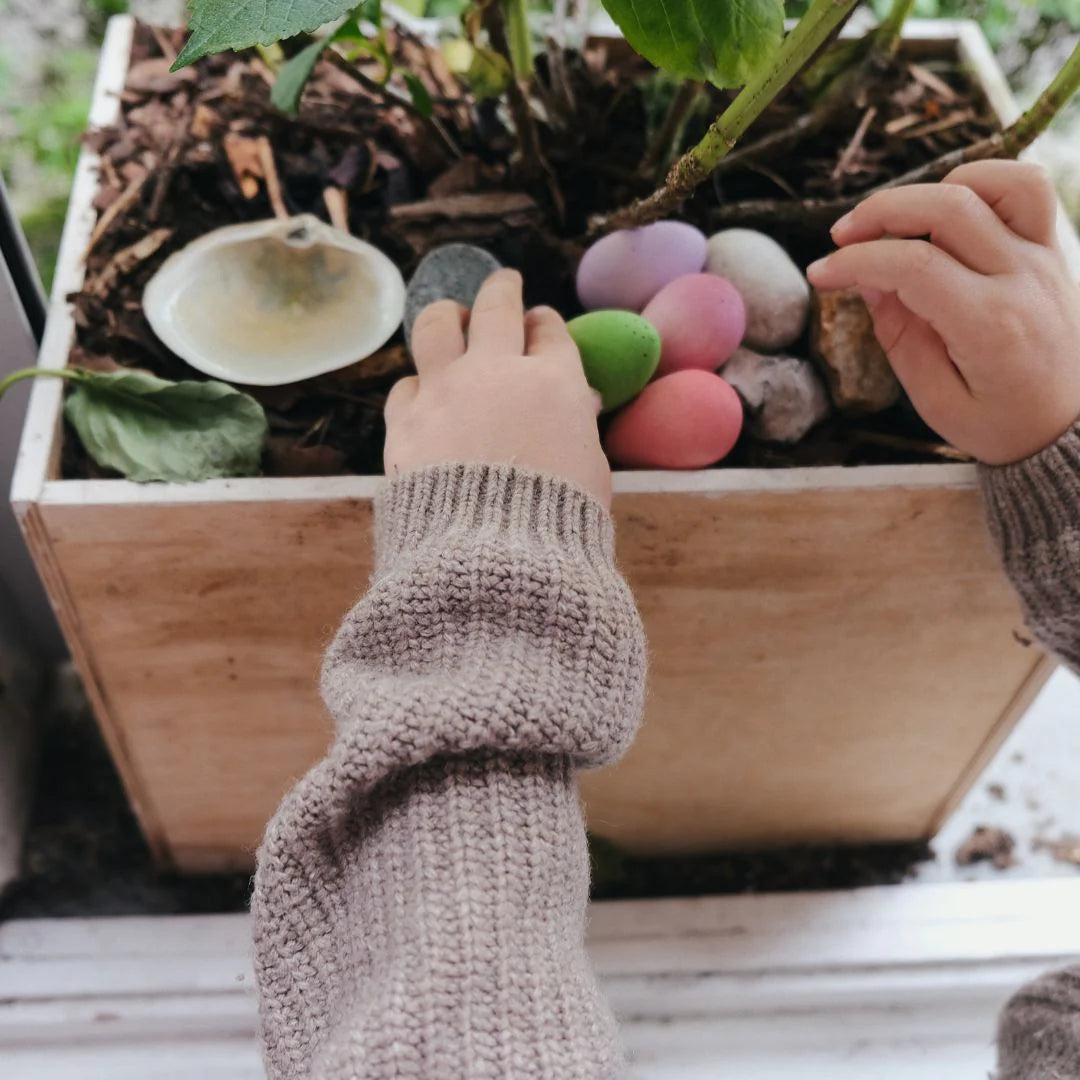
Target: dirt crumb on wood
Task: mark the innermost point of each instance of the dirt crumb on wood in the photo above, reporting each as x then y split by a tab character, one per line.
987	844
1066	849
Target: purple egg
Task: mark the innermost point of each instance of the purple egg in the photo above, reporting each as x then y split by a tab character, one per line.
628	268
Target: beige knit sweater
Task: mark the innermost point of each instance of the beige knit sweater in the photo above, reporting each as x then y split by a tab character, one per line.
420	896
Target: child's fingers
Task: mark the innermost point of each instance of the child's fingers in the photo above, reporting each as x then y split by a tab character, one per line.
498	315
546	336
1020	194
401	395
438	336
928	282
919	357
954	217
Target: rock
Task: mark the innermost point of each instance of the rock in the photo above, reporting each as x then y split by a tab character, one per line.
784	396
626	269
842	342
450	272
774	289
619	351
687	420
701	319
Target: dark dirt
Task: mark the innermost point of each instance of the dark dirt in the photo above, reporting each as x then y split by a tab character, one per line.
987	844
183	160
85	854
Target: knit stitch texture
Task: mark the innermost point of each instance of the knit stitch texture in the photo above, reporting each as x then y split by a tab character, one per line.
420	896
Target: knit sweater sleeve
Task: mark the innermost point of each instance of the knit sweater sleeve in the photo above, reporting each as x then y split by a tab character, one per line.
419	902
1034	514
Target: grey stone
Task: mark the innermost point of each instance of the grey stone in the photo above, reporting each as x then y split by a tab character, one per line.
774	289
843	343
450	272
784	396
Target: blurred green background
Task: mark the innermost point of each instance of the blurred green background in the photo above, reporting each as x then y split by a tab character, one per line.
48	53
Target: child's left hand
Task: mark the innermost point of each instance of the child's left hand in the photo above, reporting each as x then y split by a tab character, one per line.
981	322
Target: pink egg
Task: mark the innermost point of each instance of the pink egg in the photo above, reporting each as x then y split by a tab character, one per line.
686	420
626	269
701	319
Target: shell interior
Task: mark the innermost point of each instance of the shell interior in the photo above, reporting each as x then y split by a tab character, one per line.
275	301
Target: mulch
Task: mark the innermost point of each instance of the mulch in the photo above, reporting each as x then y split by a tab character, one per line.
194	150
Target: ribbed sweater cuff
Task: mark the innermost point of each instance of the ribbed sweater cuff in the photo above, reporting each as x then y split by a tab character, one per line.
1035	501
435	504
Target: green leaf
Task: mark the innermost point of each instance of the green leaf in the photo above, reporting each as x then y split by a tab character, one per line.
421	99
489	74
152	429
724	42
217	25
293	76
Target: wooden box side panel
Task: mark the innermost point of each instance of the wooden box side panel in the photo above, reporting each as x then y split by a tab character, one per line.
825	665
204	625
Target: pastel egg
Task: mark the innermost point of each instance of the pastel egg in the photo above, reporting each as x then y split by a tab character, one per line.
619	351
626	269
701	319
774	289
687	420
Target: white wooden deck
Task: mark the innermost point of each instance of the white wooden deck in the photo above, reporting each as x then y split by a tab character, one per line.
889	983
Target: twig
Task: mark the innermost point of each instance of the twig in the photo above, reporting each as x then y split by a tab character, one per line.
168	50
674	122
337	207
855	145
270	175
127	199
392	96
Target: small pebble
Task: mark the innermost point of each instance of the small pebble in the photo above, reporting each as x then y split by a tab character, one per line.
701	319
626	269
687	420
774	289
450	272
619	351
843	343
784	396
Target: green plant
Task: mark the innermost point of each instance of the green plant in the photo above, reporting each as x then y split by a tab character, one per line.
729	43
151	429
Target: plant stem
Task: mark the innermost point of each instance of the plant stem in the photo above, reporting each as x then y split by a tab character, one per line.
886	38
32	372
674	122
518	38
533	164
1050	102
696	164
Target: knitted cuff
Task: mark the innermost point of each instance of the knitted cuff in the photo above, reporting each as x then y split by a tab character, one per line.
1034	502
441	505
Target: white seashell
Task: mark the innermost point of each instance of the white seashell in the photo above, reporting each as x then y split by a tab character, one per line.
273	302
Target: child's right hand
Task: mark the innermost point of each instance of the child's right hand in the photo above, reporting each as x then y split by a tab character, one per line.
981	322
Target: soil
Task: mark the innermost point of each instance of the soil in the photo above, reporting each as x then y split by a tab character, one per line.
185	158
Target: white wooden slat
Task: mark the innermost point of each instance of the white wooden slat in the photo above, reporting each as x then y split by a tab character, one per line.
895	983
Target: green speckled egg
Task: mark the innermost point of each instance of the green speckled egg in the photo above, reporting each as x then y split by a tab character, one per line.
620	352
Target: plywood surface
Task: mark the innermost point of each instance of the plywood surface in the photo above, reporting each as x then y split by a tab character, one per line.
825	665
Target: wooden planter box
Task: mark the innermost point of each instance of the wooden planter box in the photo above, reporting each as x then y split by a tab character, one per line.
835	653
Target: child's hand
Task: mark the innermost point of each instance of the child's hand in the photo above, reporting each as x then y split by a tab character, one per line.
982	321
515	394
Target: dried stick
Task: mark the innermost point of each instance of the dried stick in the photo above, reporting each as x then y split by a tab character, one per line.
270	175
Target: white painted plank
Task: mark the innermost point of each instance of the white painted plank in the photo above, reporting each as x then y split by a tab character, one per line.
888	982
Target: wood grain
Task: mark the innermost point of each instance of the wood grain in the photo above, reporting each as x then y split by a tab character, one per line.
825	665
